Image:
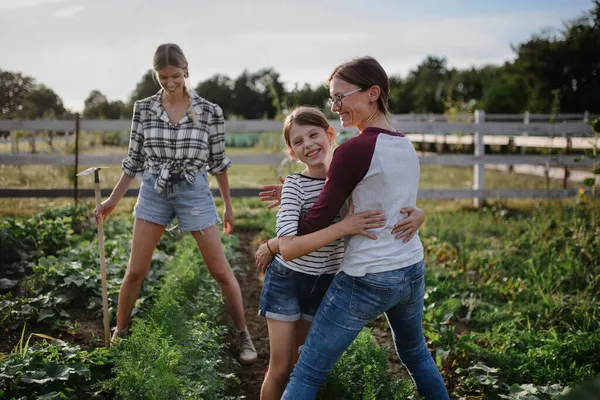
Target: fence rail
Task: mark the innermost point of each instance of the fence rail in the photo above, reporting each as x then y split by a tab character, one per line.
273	159
480	132
259	126
582	117
440	194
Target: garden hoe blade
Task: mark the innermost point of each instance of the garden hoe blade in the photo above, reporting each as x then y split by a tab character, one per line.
90	170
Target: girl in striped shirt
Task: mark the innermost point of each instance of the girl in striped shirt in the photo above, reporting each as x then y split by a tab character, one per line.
300	269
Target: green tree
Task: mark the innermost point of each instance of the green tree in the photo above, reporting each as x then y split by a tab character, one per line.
146	87
218	89
428	85
567	61
257	95
307	96
507	94
580	49
41	102
401	95
97	106
13	88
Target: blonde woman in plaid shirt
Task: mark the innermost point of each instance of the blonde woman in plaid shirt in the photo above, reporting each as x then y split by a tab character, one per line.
175	136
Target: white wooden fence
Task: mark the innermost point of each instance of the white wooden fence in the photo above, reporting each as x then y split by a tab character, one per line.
478	133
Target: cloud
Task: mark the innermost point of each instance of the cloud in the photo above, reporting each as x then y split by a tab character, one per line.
68	12
16	4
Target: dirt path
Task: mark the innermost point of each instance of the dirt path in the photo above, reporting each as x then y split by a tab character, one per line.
251	377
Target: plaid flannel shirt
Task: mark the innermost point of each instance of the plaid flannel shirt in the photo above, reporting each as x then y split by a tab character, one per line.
162	148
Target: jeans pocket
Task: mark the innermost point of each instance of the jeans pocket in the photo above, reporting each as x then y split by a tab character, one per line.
368	300
201	181
280	270
148	178
412	292
417	289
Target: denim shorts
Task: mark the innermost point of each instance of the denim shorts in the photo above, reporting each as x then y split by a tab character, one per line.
192	204
289	295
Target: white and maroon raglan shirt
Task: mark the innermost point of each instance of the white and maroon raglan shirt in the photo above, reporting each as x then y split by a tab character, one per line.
379	170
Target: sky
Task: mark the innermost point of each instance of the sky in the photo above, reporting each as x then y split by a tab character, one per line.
76	46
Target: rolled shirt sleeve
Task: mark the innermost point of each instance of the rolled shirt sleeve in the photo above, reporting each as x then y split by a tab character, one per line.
136	156
218	162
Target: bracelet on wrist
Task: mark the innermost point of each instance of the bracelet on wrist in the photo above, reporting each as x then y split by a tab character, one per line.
269	247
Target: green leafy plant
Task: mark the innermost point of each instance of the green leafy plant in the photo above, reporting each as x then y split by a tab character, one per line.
179	341
52	370
361	374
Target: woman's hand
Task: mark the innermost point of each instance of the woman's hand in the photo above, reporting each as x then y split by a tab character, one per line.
263	257
272	193
409	226
357	224
104	209
228	220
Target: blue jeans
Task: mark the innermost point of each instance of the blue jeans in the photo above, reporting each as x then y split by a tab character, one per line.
350	303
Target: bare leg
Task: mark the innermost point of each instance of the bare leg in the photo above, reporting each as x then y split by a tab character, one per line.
213	254
301	329
281	342
146	236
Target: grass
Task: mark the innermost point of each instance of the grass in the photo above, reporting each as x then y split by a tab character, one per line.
513	296
240	176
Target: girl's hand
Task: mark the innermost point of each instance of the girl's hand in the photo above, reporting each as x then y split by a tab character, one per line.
103	210
227	221
263	257
409	226
272	193
356	224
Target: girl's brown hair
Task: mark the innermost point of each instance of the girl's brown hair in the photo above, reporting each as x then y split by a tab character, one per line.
305	115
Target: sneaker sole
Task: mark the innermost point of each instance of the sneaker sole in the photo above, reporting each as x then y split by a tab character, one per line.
248	361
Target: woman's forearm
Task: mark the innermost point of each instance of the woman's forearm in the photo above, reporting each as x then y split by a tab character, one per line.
223	182
121	187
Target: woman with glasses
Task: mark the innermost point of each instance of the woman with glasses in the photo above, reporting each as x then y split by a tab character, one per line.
378	170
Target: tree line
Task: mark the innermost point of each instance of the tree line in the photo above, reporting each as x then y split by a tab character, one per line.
556	70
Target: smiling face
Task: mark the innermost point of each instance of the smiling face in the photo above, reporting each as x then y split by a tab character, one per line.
355	108
309	144
171	68
365	107
172	79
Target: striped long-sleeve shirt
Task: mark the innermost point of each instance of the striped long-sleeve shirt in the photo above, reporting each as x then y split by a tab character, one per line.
298	195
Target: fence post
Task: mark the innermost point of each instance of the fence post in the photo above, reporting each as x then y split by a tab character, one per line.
567	173
526	133
479	168
67	139
75	194
14	142
586	116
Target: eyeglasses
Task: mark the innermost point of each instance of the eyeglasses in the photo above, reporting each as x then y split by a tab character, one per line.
337	98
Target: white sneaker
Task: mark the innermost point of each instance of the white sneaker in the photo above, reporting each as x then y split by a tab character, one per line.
118	334
247	352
